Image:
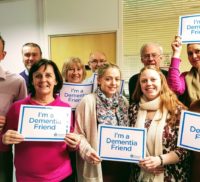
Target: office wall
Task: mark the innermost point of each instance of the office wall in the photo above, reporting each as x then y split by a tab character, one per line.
79	17
81	45
20	23
34	20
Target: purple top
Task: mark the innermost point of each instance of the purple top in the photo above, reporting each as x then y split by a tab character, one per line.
26	77
38	161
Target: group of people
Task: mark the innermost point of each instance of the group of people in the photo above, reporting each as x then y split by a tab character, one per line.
157	98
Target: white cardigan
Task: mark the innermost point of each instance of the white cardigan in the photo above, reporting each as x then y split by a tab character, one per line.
86	125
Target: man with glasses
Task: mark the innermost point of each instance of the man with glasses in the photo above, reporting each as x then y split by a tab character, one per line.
151	54
96	60
12	88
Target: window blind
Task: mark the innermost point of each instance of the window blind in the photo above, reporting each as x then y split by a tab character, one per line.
151	21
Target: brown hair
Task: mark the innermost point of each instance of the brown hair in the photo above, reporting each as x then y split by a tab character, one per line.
45	63
31	44
167	96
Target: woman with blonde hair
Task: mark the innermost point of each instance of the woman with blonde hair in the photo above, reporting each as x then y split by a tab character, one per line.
157	108
105	106
73	70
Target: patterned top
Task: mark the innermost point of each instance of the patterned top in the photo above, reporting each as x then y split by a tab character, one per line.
111	111
178	172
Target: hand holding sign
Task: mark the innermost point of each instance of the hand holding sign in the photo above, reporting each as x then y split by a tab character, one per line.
92	157
12	137
176	47
72	140
152	164
189	28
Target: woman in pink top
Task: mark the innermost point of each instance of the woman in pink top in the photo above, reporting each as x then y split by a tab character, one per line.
40	161
185	84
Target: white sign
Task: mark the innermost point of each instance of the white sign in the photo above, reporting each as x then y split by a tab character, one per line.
73	93
189	131
95	84
44	123
118	143
189	28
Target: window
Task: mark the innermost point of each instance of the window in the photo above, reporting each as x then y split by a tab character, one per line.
152	21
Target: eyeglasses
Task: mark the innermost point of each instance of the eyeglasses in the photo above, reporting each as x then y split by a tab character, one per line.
148	56
96	61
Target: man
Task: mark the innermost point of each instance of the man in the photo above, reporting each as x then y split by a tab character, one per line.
12	88
151	54
31	53
96	60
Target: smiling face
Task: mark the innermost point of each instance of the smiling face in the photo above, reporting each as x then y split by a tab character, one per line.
74	74
150	84
110	81
44	80
151	55
30	56
96	60
193	51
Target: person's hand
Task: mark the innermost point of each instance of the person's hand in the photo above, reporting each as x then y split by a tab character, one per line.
12	137
151	164
72	140
158	170
176	47
92	157
2	122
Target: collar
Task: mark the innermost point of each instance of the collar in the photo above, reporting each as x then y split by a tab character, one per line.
26	72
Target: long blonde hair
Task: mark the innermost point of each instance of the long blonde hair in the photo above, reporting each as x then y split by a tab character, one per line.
167	96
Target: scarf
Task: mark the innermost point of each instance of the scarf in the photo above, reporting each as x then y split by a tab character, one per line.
154	134
193	84
111	111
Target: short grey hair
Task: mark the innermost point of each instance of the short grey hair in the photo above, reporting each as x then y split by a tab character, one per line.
144	46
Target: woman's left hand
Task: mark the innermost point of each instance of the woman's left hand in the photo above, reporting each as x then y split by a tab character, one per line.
12	137
151	164
72	140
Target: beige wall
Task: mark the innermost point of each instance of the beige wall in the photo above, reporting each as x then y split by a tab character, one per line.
63	47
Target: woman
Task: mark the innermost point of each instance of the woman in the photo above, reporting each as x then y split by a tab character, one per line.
187	83
105	106
73	70
40	161
156	108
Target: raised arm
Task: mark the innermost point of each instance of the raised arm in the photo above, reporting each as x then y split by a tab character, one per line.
176	81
